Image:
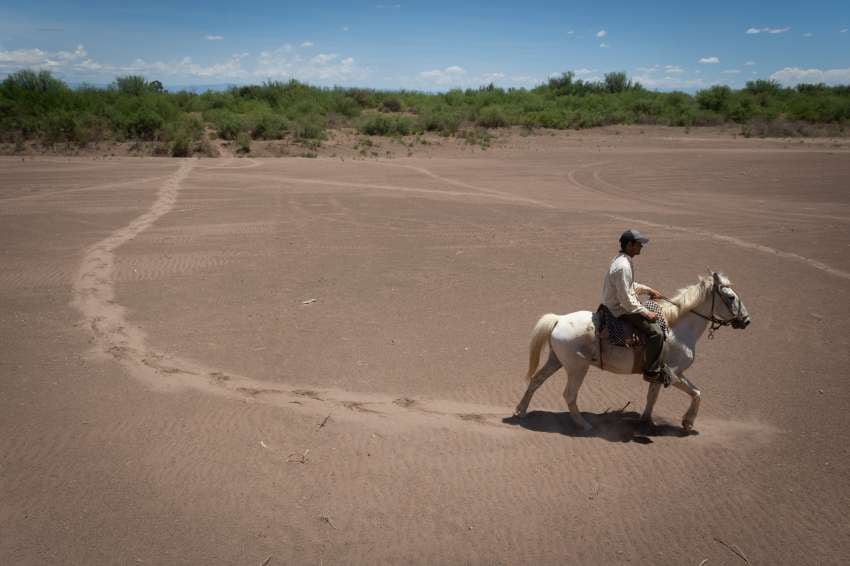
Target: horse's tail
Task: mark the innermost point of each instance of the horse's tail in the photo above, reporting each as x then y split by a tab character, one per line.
539	337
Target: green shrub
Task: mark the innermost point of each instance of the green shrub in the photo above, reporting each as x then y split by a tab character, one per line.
445	121
376	126
136	85
34	105
391	104
388	126
716	98
269	127
309	128
144	125
243	143
491	117
346	106
59	127
228	124
181	146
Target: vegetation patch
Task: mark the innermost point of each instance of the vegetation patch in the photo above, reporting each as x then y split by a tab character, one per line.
37	107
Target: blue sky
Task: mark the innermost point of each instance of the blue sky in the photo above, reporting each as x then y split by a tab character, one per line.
433	45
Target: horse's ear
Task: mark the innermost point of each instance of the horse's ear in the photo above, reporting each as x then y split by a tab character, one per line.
716	277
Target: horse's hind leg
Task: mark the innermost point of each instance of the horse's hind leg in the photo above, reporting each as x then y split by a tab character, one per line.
576	370
551	366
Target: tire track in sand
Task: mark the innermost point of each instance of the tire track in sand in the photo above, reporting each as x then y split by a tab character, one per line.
117	339
742	244
717	236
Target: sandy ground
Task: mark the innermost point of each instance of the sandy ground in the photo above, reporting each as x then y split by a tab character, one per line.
312	361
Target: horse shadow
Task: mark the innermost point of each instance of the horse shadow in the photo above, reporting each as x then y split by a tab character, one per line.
613	426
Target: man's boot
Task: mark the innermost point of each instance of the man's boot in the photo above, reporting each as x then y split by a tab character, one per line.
663	376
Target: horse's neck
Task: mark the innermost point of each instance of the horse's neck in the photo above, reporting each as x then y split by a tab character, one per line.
690	327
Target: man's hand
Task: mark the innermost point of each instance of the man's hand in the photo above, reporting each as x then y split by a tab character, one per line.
653	294
650	316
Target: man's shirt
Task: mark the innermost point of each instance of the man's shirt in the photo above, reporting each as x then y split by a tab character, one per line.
619	290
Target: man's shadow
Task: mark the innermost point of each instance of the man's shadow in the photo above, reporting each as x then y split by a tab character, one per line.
613	426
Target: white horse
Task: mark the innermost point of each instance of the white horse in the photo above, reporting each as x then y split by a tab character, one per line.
573	344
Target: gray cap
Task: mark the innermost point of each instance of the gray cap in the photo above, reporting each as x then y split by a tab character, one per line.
632	235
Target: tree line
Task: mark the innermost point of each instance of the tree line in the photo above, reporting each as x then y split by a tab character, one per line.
36	106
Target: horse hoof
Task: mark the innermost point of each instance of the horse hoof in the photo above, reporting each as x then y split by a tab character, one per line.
688	426
519	413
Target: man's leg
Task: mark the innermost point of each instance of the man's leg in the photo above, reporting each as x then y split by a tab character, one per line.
654	336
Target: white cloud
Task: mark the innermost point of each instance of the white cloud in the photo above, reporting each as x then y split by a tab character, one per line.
601	33
323	58
36	58
571	32
652	69
307	44
453	75
795	75
89	65
709	60
382	6
283	62
668	82
345	28
808	34
493	77
750	63
673	69
214	37
731	71
604	45
768	30
230	68
843	30
286	63
458	77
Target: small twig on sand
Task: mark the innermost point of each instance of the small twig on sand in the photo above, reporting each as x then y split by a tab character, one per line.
269	559
328	521
704	560
324	422
733	549
626	405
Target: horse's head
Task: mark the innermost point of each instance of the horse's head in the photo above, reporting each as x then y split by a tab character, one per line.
733	309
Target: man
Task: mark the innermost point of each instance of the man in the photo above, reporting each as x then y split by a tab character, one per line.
619	294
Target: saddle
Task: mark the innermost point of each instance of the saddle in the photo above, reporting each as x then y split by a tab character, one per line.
618	332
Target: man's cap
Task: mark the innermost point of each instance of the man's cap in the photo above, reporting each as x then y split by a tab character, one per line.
632	235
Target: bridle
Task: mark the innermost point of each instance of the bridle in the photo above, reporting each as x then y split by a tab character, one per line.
734	322
716	323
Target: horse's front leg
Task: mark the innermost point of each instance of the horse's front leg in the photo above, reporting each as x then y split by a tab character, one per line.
696	395
651	398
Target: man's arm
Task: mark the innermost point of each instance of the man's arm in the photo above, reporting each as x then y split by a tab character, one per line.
642	289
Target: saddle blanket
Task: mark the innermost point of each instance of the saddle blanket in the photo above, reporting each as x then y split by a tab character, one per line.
619	332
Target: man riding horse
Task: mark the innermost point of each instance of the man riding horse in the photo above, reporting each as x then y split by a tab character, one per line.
619	295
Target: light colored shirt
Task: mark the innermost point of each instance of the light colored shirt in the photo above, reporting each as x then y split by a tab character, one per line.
619	290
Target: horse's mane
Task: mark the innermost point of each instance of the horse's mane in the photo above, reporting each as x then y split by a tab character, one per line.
687	298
